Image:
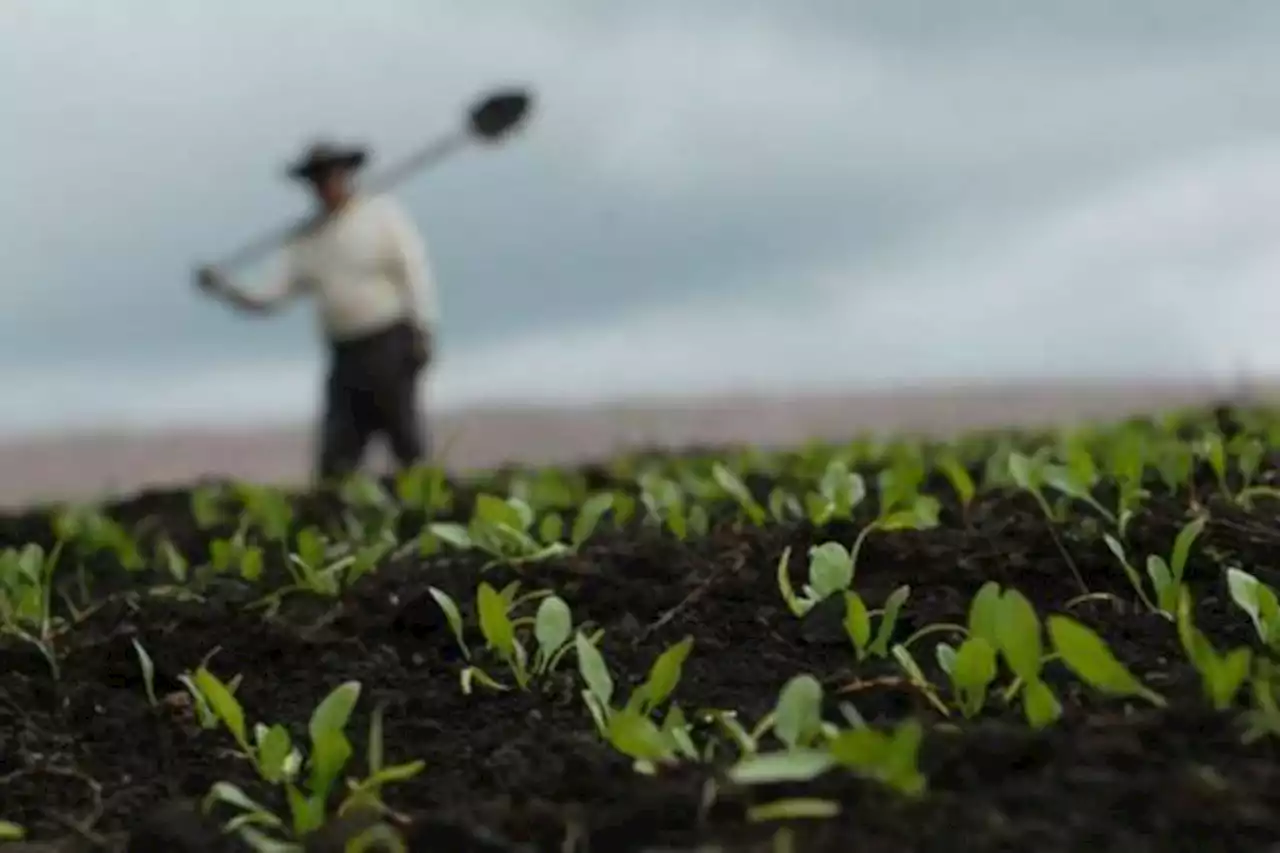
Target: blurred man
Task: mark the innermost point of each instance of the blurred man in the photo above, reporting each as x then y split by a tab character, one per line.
364	264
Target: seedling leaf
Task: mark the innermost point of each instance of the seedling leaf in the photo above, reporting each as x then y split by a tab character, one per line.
1087	655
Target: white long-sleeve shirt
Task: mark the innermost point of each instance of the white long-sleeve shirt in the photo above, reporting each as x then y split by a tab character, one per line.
366	268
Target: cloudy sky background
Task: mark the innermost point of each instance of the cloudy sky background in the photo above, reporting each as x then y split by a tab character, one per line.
728	195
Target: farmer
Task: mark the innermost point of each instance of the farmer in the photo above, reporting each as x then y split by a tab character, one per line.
365	265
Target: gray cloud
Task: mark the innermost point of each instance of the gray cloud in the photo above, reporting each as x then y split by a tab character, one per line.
851	160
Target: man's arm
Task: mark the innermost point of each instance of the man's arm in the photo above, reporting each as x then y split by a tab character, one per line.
285	285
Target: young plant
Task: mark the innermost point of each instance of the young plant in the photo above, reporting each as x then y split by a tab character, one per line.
1007	622
1247	452
279	762
972	668
10	831
89	531
425	489
631	729
1259	601
813	747
503	530
1263	717
1125	455
736	489
1165	576
26	599
552	626
858	622
948	462
236	556
266	509
1222	675
831	572
585	521
667	505
320	568
902	511
840	491
207	507
1035	474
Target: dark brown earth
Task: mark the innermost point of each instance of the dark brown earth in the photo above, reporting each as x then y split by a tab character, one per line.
87	759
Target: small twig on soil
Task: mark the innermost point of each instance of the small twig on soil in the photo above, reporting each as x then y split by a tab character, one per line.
692	598
82	829
896	683
1075	570
1254	530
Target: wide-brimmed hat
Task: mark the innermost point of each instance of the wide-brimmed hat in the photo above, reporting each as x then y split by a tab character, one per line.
326	154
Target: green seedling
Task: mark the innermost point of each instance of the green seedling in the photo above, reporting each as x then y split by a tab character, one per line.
1259	601
840	492
1222	675
235	556
425	489
88	531
917	679
831	571
207	506
26	599
1165	576
890	758
784	506
909	512
279	762
10	831
1006	624
1174	462
1126	460
371	514
736	489
1247	452
1263	717
631	729
552	627
972	669
205	713
265	509
832	568
1035	474
503	530
948	462
858	622
797	717
586	520
667	505
321	568
1088	657
174	562
148	673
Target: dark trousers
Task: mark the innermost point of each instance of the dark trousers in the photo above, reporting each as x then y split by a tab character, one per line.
372	388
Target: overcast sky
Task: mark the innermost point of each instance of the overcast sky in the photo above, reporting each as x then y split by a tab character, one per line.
712	196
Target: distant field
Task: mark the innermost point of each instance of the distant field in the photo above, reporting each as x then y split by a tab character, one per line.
86	465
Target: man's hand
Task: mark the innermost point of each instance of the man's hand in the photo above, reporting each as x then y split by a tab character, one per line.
420	347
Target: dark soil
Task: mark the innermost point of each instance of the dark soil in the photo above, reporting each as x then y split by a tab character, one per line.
87	760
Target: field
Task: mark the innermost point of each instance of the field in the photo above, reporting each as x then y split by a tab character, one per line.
1050	641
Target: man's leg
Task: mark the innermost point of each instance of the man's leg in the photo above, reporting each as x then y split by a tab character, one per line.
403	424
344	428
397	401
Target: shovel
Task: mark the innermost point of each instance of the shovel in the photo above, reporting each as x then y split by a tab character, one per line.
489	120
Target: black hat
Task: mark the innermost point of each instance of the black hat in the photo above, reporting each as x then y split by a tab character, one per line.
327	155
